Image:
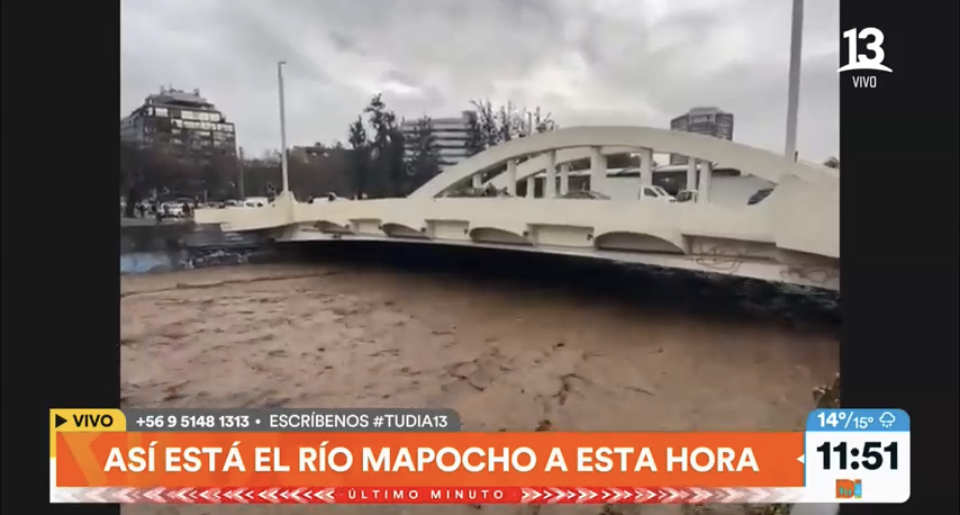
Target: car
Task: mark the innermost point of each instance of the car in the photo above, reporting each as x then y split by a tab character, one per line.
759	196
256	202
171	209
477	193
585	195
687	196
654	193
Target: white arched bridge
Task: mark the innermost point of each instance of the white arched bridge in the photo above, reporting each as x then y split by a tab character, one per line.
791	236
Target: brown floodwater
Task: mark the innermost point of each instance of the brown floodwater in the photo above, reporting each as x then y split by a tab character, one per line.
585	347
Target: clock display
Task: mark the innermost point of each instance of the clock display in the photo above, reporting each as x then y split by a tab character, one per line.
854	455
870	456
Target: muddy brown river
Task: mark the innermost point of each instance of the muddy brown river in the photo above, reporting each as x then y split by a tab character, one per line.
507	354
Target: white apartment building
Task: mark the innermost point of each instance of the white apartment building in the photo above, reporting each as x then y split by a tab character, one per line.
452	136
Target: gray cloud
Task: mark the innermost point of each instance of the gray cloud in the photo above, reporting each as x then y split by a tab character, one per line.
587	61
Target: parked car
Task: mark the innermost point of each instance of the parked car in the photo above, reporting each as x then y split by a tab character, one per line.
759	196
655	194
477	192
687	196
256	202
171	209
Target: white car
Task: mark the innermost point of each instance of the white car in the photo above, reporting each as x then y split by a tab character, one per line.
654	193
172	209
256	202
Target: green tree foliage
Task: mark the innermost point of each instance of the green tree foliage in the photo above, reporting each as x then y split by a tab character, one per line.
147	172
358	141
311	176
476	140
387	152
378	164
424	160
498	124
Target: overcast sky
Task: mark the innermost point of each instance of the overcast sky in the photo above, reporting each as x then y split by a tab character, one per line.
588	62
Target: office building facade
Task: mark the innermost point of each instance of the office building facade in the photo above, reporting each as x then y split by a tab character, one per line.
452	136
183	124
709	121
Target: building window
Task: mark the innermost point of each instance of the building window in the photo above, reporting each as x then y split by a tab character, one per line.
161	112
177	122
188	115
174	131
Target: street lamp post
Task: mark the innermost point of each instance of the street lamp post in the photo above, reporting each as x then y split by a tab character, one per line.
283	131
793	84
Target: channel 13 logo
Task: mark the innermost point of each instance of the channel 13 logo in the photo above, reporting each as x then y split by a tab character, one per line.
865	54
849	489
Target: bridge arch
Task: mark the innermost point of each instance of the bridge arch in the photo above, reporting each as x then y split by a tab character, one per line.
749	160
637	242
498	235
537	164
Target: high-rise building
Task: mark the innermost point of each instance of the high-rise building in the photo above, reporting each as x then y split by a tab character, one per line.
184	124
452	136
709	121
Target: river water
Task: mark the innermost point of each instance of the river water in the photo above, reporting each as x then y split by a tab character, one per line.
510	344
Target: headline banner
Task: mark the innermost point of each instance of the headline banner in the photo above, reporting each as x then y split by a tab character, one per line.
413	460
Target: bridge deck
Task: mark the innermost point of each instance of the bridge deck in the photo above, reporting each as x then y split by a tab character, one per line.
745	241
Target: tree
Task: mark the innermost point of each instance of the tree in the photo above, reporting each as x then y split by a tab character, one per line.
424	161
259	174
357	139
476	141
541	122
491	126
220	177
319	174
387	152
832	162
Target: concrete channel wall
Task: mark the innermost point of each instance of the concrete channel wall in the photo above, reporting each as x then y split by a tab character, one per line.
151	247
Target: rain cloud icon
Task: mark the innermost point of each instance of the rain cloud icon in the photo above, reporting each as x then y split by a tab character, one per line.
887	420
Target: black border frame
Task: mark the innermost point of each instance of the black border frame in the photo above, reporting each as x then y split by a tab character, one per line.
900	322
60	293
899	343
